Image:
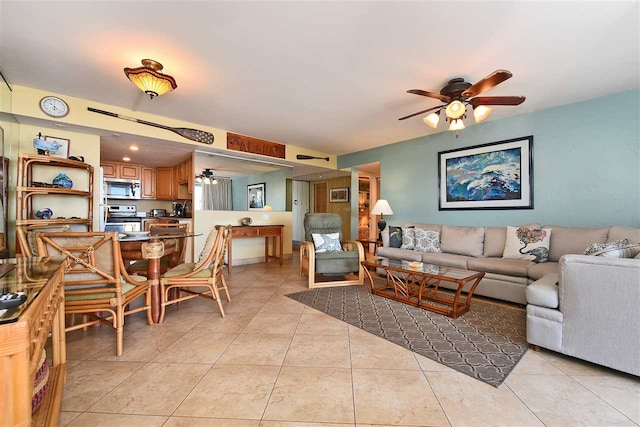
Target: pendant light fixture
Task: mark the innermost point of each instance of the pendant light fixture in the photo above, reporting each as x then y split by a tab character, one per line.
149	78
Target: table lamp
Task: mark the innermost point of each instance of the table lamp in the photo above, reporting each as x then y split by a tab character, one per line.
381	208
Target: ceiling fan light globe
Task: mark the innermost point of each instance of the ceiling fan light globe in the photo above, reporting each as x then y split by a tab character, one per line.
455	110
481	112
456	124
432	120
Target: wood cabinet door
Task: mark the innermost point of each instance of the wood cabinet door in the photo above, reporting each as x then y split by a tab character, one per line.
109	170
148	182
164	184
129	171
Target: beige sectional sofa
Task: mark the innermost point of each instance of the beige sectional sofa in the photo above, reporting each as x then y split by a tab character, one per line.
481	249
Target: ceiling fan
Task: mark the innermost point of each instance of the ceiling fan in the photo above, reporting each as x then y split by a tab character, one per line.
458	94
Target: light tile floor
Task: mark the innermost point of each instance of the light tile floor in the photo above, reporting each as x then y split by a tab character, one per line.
273	362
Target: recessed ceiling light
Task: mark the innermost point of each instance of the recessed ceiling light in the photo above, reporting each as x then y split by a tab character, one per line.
59	125
126	159
117	135
134	148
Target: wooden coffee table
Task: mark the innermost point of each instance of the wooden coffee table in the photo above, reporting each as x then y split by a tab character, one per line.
419	284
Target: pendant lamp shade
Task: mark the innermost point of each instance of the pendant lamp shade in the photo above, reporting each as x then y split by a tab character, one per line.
481	112
456	125
149	78
432	120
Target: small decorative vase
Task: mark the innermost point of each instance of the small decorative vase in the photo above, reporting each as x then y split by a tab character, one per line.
45	213
246	221
63	180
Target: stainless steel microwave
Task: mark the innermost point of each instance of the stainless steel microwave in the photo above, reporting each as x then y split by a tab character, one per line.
122	188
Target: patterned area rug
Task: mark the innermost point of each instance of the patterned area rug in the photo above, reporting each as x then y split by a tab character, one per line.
485	343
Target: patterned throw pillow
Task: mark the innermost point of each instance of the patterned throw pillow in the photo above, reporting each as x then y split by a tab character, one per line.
327	242
395	236
408	238
527	243
427	241
618	249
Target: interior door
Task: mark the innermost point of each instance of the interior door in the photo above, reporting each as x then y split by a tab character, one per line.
320	200
300	206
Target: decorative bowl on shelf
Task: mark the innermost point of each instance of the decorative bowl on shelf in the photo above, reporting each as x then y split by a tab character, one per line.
45	213
63	180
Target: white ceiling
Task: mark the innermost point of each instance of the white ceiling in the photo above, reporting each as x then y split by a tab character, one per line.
330	76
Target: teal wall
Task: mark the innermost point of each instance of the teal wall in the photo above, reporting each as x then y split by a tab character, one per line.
586	166
275	189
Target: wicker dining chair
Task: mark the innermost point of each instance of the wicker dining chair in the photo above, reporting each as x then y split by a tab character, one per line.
206	273
95	280
26	236
142	266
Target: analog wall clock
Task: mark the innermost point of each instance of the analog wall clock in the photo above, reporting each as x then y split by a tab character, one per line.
54	106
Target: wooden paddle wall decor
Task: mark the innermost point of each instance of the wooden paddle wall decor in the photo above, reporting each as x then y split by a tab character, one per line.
255	146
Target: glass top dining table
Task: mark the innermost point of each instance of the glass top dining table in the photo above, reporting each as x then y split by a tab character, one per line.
152	248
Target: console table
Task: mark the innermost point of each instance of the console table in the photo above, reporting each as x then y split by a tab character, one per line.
269	232
23	333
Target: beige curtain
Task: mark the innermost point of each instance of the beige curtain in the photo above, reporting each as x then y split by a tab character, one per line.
217	197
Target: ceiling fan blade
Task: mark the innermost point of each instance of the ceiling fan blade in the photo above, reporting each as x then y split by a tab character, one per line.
420	112
487	83
442	98
497	100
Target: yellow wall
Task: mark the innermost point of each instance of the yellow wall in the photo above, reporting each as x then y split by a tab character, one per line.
341	208
244	250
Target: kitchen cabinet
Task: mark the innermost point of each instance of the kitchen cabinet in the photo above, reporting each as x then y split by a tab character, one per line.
120	170
127	171
165	184
109	170
148	182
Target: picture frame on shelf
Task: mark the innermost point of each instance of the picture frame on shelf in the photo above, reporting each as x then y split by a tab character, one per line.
256	198
337	195
498	175
63	151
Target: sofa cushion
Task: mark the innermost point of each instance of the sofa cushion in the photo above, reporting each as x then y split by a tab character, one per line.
574	240
337	262
427	240
544	292
544	313
462	240
619	233
408	238
448	260
538	271
495	237
510	267
397	253
527	243
395	236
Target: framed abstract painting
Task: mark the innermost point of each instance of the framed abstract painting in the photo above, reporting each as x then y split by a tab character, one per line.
498	175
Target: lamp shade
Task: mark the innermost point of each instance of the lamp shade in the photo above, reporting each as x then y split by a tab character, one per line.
432	120
481	112
149	78
455	110
267	208
382	208
456	125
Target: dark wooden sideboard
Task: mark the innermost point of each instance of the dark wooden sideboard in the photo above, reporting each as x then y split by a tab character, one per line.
268	232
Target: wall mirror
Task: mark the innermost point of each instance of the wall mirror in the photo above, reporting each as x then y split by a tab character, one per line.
4	208
232	184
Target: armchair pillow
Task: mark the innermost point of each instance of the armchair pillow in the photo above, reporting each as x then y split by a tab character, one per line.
326	242
527	243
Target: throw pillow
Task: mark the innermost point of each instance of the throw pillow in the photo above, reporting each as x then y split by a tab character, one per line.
395	236
427	241
618	249
327	242
527	243
408	238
